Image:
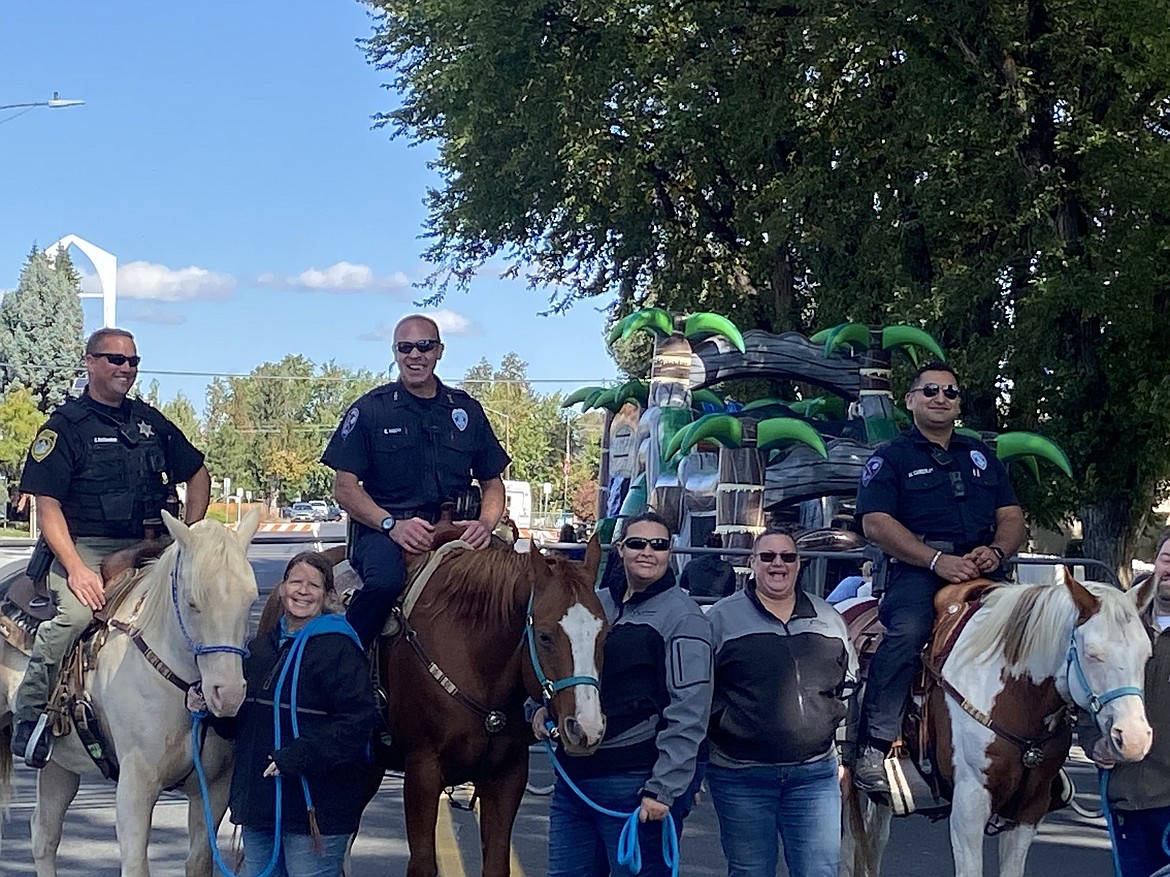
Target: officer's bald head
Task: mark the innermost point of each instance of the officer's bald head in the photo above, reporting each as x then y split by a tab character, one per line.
414	321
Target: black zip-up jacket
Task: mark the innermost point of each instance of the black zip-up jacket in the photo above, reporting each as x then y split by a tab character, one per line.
337	715
778	687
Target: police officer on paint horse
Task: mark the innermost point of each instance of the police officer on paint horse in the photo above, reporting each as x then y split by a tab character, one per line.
941	507
400	452
101	468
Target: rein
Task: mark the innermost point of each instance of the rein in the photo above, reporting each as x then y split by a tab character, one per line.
494	721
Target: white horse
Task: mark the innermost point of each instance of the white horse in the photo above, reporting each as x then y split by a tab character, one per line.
191	609
1029	653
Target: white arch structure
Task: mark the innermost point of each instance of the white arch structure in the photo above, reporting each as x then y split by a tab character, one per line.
105	265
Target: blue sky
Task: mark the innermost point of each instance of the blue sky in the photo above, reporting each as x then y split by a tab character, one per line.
225	156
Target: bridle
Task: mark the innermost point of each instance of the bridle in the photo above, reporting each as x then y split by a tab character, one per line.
549	687
1093	702
197	648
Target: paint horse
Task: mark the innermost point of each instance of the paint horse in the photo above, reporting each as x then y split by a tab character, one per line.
189	608
998	717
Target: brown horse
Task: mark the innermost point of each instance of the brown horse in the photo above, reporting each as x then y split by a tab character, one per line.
457	679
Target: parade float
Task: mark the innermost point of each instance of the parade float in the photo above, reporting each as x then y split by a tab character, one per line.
721	469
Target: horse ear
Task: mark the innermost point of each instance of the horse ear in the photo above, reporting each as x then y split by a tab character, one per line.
1087	605
179	531
246	529
593	557
1144	592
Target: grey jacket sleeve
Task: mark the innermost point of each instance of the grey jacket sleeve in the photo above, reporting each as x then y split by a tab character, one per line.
690	682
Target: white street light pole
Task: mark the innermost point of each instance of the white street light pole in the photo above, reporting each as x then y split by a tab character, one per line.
55	102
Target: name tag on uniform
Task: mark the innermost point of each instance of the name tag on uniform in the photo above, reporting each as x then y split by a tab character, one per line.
98	439
918	472
392	430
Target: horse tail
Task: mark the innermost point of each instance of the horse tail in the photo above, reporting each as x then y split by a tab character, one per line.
865	863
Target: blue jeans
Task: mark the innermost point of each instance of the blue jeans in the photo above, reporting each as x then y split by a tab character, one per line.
1138	834
583	842
297	856
799	803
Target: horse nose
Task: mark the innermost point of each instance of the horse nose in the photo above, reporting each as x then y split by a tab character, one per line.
1134	744
225	700
573	733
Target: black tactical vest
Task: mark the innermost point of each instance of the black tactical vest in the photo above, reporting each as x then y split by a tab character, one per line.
121	482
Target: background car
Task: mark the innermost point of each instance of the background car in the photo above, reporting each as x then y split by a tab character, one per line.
325	511
303	511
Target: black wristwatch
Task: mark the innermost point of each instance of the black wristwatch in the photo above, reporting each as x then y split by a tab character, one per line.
388	523
998	552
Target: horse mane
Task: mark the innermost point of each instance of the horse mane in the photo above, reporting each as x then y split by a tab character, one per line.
209	553
481	587
1031	623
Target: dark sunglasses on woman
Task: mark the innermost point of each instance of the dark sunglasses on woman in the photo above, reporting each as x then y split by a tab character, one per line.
770	556
636	543
931	390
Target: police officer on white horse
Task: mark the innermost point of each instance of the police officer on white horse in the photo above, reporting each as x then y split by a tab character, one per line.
400	452
101	468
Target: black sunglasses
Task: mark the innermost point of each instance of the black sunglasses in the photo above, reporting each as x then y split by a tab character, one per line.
120	359
931	390
424	346
637	543
769	556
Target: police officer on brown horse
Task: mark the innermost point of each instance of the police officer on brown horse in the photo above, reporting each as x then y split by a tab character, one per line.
400	452
101	468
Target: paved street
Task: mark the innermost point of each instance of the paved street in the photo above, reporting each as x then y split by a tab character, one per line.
1068	845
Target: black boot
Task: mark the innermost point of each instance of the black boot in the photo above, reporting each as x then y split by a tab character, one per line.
869	771
33	741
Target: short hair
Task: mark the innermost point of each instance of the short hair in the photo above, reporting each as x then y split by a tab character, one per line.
1163	538
421	318
935	365
94	343
318	561
783	530
648	517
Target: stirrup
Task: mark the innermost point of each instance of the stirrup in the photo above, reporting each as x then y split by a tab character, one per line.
40	744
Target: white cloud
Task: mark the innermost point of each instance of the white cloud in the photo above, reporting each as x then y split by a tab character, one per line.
451	324
147	280
158	316
340	277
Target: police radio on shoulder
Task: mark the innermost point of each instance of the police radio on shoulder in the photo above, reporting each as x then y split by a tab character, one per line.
388	523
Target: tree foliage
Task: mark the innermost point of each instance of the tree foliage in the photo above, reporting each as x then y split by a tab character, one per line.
266	431
41	344
994	172
19	420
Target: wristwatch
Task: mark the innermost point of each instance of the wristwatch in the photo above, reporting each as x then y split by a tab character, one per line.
388	523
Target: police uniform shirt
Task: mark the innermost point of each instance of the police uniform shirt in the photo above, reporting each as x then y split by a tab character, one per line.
64	448
947	496
412	453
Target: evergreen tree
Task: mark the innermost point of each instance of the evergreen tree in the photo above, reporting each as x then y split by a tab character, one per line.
41	342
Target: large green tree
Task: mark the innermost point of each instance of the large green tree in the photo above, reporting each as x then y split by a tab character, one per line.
41	345
996	172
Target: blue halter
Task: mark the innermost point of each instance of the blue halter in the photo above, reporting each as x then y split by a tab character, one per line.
1094	702
547	686
197	648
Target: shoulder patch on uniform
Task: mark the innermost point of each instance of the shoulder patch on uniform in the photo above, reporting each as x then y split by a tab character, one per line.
459	417
872	466
43	444
979	460
351	419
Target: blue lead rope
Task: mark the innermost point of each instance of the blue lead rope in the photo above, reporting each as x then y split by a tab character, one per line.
629	850
320	624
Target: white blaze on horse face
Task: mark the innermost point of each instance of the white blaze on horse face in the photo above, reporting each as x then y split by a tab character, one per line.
583	628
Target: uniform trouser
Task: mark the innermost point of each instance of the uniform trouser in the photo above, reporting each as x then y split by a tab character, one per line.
56	636
378	561
907	612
